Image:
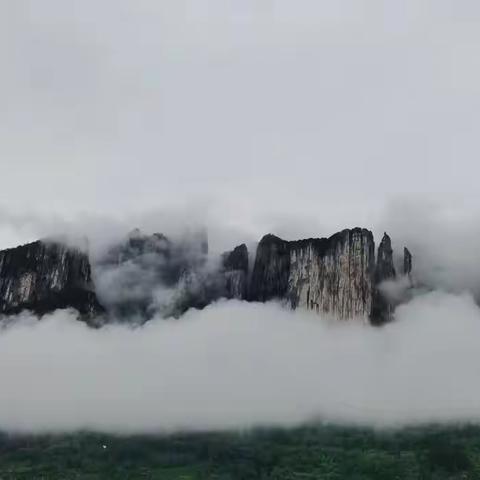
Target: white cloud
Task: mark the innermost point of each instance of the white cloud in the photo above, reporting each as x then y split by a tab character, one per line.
443	239
237	364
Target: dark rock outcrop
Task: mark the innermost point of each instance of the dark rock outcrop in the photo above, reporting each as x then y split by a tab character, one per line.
328	275
382	308
407	262
337	276
235	269
271	270
45	276
385	269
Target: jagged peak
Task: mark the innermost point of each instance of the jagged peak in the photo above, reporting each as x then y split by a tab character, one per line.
238	250
386	240
407	261
236	259
385	256
385	252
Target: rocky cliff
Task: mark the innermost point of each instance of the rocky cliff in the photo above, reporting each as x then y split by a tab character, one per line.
271	270
328	275
148	275
235	270
45	276
407	262
382	308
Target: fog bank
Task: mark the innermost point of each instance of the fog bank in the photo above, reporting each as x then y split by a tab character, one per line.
236	365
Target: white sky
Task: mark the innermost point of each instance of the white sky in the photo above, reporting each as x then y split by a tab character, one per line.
291	111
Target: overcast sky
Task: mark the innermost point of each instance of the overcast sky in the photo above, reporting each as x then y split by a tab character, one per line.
255	109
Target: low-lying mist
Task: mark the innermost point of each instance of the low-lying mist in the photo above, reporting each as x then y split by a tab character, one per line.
237	365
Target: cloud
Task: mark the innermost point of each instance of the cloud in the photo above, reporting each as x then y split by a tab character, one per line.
234	365
105	230
442	237
147	275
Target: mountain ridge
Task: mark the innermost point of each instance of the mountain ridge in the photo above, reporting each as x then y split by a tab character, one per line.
147	275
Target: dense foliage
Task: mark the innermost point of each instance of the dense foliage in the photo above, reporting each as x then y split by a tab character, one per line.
322	452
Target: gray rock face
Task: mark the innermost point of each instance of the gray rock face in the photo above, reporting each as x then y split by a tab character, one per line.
382	309
271	270
338	276
235	266
43	277
334	275
331	275
385	269
407	262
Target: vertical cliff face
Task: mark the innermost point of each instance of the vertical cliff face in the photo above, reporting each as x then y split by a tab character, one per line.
385	269
235	268
43	277
407	262
382	309
271	270
331	275
338	276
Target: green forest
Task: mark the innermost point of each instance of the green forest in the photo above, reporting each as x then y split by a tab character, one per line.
313	452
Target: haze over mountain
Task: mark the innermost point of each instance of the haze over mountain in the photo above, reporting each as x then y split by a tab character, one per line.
234	363
142	276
